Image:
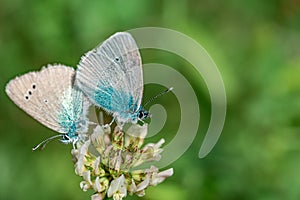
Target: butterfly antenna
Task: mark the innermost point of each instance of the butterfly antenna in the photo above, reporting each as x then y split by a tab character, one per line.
45	142
158	95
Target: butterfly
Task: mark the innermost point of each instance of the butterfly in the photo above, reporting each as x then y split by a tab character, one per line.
111	77
50	97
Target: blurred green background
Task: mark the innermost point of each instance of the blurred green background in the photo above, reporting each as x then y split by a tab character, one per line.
256	45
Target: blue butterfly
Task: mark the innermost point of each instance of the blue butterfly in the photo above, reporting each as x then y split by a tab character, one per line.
111	77
50	98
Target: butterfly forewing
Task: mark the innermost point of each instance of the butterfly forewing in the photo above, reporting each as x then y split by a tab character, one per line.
111	76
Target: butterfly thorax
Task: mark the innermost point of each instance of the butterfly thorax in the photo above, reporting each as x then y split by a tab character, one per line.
133	117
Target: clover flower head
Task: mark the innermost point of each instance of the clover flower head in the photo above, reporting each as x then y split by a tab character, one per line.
106	162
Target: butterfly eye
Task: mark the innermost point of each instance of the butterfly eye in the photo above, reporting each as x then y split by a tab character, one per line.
117	59
45	100
26	97
141	115
146	114
29	92
34	86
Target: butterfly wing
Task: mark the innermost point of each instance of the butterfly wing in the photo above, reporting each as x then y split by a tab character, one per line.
111	76
48	96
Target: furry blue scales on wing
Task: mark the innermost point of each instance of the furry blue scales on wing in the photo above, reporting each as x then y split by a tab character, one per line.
103	97
117	102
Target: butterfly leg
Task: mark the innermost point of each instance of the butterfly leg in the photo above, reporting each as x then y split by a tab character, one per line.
74	143
112	121
92	123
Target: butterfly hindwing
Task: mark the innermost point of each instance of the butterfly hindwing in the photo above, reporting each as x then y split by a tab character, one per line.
49	97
